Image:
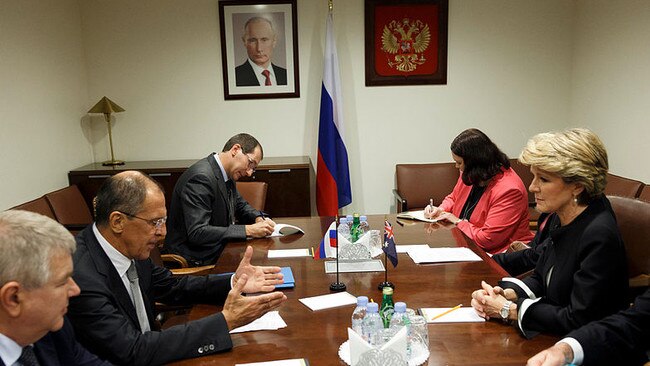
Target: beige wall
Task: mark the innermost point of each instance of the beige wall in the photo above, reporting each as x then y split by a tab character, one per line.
42	95
162	64
611	81
515	68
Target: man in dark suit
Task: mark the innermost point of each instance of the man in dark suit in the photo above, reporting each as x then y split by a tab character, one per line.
33	301
259	39
206	210
113	316
619	339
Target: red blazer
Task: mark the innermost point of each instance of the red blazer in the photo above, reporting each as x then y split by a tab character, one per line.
500	216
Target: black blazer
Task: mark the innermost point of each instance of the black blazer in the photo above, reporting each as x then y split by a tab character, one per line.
198	225
245	76
60	348
105	319
580	277
619	339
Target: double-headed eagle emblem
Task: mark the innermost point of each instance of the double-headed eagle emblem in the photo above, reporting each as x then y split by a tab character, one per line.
398	39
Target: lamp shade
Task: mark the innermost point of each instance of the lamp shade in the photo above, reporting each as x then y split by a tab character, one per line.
106	106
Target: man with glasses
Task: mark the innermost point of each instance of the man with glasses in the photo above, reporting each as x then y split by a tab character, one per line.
113	316
206	210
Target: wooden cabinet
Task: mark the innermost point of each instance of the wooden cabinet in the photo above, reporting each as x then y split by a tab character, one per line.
289	179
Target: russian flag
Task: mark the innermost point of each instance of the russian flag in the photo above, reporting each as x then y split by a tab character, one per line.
332	172
325	249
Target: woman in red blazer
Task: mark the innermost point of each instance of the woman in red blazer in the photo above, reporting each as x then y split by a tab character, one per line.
489	202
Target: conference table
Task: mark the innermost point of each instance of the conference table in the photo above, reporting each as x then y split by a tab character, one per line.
317	335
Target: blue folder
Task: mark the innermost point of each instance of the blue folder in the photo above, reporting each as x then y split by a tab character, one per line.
289	282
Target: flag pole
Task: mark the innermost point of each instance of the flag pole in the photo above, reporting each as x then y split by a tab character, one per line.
385	283
337	286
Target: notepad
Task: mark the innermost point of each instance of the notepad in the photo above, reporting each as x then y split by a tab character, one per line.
288	253
460	315
415	215
289	281
289	362
329	301
405	248
440	255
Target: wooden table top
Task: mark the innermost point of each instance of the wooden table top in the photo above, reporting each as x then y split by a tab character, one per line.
317	336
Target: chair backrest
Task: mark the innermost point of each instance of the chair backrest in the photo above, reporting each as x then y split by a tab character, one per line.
38	205
645	193
622	187
523	171
69	207
633	217
417	183
254	193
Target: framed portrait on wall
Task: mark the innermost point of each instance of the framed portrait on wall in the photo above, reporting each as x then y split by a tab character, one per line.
406	42
259	48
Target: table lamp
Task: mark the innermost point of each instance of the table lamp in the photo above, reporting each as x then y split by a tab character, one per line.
107	106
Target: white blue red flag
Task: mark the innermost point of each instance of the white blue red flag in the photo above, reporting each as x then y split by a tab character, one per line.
327	246
332	171
389	243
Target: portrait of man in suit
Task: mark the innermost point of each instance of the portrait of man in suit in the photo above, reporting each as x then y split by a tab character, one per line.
260	39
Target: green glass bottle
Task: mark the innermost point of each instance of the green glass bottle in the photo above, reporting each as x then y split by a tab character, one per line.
355	230
387	306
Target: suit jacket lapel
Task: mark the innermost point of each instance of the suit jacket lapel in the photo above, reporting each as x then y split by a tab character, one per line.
106	268
45	351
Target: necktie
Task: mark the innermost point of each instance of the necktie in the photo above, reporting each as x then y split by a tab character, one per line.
267	75
138	302
28	357
231	200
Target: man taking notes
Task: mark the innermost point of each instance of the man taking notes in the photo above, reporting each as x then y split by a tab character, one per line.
113	315
35	285
207	212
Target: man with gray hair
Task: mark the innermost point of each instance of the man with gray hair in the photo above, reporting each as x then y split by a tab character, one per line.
114	314
260	40
35	285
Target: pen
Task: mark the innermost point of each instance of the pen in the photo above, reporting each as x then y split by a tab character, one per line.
446	312
262	215
312	252
399	222
431	203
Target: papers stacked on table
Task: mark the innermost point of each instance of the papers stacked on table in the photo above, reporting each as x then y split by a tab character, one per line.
440	255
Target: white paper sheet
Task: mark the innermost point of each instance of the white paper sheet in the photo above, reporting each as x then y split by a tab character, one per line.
285	229
269	321
439	255
291	362
373	265
410	247
288	253
460	315
329	301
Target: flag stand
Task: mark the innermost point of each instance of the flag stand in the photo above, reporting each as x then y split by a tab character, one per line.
386	283
337	286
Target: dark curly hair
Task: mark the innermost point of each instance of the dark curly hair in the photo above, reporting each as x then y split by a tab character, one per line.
482	158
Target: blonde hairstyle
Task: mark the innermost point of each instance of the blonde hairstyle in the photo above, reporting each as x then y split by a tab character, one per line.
577	155
28	241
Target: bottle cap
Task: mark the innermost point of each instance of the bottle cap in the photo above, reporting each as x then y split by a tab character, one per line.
362	301
348	217
400	307
387	290
363	218
342	220
373	307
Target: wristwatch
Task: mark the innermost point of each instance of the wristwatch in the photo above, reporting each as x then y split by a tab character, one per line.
505	310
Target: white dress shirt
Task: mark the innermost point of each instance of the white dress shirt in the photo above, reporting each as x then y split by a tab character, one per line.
10	351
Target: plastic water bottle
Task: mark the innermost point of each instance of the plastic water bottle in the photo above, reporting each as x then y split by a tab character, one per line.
359	314
344	229
399	318
372	324
363	224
